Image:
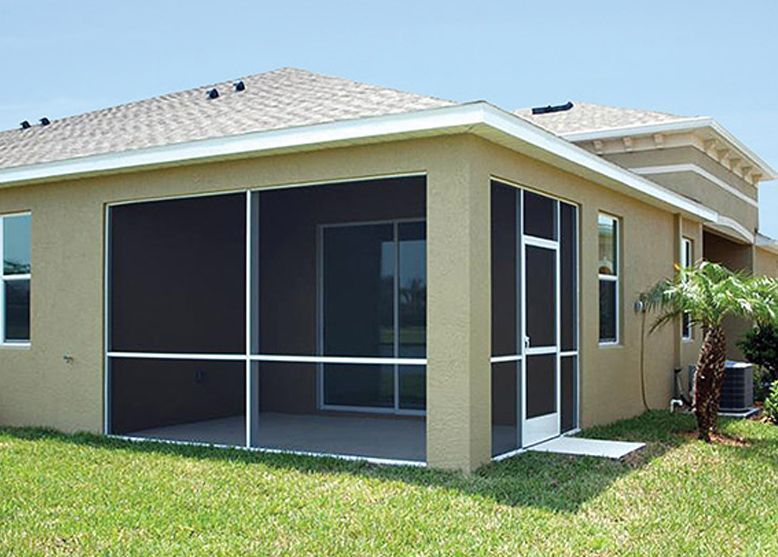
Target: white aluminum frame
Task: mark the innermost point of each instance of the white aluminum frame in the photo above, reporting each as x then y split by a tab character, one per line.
4	342
542	428
249	357
616	278
395	361
521	318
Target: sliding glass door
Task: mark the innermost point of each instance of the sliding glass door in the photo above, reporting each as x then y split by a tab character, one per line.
372	299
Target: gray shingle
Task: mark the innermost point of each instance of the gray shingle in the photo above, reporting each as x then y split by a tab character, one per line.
278	99
589	117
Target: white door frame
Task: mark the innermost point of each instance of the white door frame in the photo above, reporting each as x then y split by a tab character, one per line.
541	428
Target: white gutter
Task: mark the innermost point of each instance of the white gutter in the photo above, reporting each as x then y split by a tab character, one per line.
479	118
685	124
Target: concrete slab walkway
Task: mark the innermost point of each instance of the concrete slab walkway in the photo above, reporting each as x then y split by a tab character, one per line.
580	446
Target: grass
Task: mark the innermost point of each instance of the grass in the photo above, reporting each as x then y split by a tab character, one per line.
87	495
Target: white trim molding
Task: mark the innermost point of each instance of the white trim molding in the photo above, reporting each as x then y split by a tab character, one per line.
693	168
727	141
732	228
478	118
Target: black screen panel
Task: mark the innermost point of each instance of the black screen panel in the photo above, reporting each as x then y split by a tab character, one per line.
569	379
147	394
539	216
504	275
569	276
177	275
541	385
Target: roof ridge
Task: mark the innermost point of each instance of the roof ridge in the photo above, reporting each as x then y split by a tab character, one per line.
633	109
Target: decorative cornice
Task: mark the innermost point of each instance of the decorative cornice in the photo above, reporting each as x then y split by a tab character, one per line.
706	134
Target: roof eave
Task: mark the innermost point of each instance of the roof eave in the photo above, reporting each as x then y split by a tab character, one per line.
479	118
685	124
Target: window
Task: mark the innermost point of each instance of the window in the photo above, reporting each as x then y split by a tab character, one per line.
608	270
687	260
15	283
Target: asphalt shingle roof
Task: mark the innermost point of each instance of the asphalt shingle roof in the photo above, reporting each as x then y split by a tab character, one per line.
589	117
283	98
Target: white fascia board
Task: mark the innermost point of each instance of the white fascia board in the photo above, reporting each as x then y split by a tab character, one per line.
470	117
686	124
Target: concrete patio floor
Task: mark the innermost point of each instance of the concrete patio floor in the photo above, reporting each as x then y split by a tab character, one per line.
358	436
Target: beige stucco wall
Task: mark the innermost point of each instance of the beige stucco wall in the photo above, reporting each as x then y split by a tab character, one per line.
40	388
693	185
765	263
738	257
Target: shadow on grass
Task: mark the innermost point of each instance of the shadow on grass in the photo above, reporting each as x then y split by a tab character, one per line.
555	482
762	444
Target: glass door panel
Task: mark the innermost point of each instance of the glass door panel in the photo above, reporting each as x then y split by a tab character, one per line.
412	285
359	267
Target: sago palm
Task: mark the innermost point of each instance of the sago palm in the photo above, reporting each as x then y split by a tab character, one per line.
707	293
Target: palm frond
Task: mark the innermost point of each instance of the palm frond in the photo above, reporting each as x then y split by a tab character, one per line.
708	292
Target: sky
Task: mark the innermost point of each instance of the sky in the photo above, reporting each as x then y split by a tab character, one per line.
690	57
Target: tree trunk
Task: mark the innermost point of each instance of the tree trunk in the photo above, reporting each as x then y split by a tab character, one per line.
708	381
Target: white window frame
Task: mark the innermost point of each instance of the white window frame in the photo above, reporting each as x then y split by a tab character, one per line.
687	260
6	343
615	278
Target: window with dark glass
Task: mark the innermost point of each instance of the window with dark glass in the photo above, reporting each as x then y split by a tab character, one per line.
608	271
15	253
687	260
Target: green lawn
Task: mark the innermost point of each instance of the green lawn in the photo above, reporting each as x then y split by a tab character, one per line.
85	495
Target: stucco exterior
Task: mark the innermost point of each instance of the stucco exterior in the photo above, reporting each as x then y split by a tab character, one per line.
39	387
692	184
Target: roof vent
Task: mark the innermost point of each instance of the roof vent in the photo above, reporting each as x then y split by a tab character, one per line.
548	109
213	93
45	121
239	86
25	125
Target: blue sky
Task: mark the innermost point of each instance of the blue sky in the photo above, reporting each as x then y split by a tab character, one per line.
691	58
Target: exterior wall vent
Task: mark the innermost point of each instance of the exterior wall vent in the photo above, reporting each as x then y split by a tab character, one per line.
553	108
